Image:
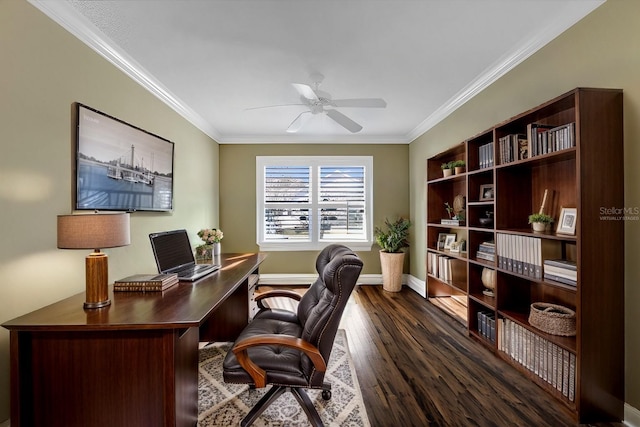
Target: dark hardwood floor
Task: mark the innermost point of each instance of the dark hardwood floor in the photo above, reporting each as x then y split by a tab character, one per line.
417	366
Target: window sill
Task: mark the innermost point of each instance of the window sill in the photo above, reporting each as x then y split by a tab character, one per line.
308	246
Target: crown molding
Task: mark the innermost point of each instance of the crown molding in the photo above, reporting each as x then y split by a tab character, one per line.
66	16
554	25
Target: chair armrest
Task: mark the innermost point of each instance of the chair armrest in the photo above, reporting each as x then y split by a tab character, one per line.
276	293
257	373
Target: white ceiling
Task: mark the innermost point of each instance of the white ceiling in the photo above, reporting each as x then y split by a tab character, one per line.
211	60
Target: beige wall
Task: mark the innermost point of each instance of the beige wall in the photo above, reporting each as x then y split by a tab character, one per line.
44	71
238	196
600	51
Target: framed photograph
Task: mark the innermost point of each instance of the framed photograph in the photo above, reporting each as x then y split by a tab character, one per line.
457	247
449	240
120	167
441	239
486	192
567	223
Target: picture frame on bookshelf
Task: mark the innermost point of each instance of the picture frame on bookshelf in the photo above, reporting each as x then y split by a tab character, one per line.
449	240
486	192
442	237
458	247
567	223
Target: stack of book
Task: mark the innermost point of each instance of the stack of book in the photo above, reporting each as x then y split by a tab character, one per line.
548	361
520	254
543	139
485	155
487	325
487	251
561	270
513	147
145	283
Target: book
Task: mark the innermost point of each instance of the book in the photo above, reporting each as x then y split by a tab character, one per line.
145	283
562	263
147	279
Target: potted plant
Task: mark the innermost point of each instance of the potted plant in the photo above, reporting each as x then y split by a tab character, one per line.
392	240
446	169
458	166
540	221
211	247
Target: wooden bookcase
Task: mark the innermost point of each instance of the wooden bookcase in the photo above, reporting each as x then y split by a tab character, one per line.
581	166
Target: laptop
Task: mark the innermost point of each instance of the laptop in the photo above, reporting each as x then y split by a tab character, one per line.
173	254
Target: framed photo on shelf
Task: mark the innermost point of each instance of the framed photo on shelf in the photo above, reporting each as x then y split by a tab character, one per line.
457	247
567	223
442	237
449	240
486	192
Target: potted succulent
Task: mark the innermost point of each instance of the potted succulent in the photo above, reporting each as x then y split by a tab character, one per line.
540	221
392	240
447	170
458	166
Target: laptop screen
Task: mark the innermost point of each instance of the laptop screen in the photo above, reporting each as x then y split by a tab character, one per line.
171	249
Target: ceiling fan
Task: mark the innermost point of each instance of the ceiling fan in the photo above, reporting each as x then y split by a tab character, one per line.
321	102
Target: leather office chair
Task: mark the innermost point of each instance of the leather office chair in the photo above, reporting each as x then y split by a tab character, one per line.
291	350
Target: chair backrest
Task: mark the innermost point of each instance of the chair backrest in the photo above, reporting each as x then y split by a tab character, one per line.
321	307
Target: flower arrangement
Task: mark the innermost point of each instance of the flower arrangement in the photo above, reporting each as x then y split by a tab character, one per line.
210	235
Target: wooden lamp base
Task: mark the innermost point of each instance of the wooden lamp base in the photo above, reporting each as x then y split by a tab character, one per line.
97	270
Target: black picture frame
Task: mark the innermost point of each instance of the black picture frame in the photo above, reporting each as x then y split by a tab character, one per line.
120	167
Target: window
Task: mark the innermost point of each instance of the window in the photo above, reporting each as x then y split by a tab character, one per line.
306	203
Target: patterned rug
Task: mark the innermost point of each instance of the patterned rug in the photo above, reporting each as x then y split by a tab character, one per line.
222	404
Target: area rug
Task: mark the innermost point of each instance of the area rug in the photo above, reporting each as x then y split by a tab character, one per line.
222	404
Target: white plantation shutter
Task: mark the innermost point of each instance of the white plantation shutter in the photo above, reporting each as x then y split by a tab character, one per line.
307	202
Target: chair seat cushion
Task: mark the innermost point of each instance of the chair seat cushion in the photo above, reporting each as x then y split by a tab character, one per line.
282	364
277	314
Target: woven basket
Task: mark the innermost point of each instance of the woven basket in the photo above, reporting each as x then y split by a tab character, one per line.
553	319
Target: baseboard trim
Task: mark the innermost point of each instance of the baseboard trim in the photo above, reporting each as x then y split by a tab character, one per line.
408	280
307	279
631	416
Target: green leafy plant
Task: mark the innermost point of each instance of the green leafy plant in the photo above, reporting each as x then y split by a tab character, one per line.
540	217
457	164
395	237
445	166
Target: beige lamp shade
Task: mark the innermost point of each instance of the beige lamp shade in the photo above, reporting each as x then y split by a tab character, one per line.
93	231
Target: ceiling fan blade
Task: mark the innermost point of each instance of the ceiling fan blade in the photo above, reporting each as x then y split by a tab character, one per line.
271	106
360	103
298	122
344	121
306	91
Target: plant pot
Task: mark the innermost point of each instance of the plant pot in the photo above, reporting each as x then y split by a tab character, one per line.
459	169
392	265
447	172
539	226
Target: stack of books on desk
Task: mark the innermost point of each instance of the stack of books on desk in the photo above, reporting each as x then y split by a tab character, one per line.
561	270
145	283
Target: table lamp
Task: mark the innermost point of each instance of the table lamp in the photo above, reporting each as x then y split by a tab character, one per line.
94	231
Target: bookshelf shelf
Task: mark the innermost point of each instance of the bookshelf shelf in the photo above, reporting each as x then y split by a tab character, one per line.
565	148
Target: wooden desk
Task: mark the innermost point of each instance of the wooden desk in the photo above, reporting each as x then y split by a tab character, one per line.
133	363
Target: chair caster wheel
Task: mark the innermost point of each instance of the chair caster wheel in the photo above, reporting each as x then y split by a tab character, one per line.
326	394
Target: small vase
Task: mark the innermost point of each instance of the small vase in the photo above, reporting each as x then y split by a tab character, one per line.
488	279
447	172
459	170
217	249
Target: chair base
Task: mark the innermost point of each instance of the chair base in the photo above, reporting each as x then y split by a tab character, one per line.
301	396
